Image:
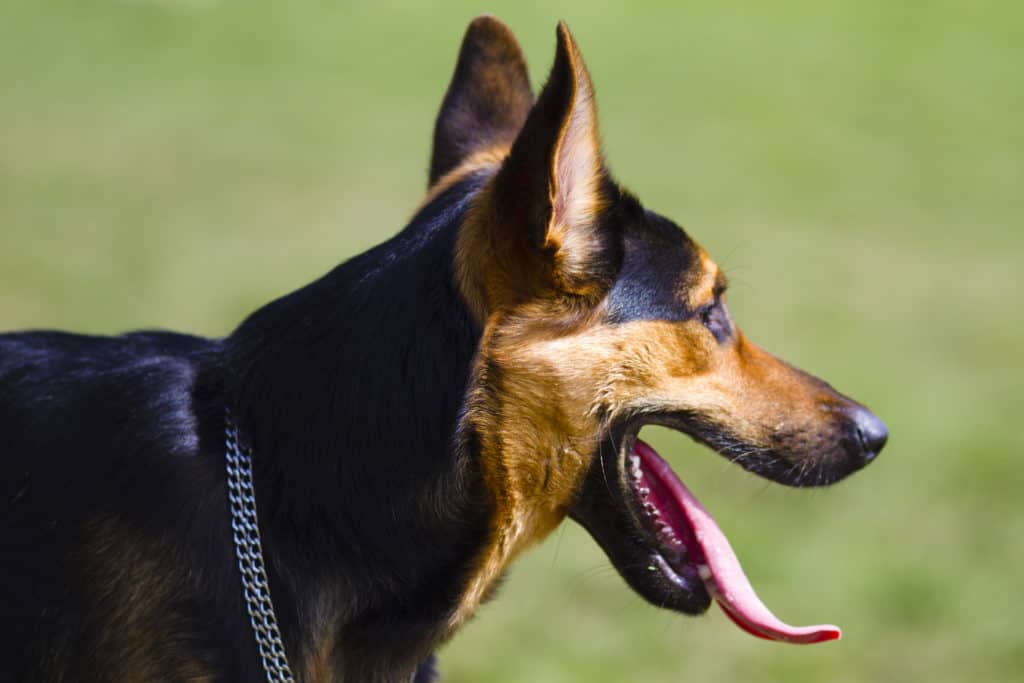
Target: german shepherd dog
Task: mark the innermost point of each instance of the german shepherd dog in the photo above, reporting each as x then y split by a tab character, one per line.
416	419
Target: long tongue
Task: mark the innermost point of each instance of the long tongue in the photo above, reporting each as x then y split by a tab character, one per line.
724	578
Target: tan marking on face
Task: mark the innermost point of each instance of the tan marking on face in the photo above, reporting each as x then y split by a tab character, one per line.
700	289
543	393
545	390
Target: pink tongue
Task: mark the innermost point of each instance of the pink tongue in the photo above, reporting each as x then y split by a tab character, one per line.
725	580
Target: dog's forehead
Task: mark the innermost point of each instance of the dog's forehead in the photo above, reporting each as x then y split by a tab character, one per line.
665	275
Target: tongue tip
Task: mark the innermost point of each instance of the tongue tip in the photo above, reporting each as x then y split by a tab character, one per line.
828	633
819	634
782	633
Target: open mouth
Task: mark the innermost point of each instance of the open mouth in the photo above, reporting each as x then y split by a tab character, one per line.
670	550
690	545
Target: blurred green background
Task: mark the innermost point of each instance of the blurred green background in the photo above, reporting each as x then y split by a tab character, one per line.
855	166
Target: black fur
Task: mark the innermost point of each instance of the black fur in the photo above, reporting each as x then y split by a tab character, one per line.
347	391
657	257
488	99
659	261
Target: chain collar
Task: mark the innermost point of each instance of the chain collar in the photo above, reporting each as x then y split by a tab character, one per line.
249	551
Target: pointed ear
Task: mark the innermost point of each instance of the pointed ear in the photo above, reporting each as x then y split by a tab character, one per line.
553	184
487	100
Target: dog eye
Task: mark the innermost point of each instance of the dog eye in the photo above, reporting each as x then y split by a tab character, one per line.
714	317
705	314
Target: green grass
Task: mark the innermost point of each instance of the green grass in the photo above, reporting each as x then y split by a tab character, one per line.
855	166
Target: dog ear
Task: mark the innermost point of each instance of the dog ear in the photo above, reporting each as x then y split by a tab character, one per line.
553	182
488	99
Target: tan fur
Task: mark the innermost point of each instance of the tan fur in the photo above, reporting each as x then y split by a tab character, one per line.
563	379
513	275
534	451
490	157
133	583
317	663
707	280
575	173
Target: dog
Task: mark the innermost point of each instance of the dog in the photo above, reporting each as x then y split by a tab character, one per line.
414	420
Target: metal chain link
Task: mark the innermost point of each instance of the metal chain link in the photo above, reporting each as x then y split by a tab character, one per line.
249	550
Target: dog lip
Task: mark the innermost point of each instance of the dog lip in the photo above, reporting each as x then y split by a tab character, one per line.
677	568
675	551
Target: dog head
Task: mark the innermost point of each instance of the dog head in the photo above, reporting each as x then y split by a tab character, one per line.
598	317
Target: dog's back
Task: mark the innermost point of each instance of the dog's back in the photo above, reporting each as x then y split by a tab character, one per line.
68	401
92	389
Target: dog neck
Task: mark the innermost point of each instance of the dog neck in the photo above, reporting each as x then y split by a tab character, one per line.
349	391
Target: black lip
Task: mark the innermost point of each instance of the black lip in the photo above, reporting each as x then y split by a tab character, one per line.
766	462
608	508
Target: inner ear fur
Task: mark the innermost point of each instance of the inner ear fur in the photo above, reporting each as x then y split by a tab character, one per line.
488	99
553	188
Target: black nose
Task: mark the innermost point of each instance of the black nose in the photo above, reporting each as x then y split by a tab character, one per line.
871	431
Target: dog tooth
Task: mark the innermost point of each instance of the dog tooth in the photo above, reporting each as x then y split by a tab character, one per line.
704	571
